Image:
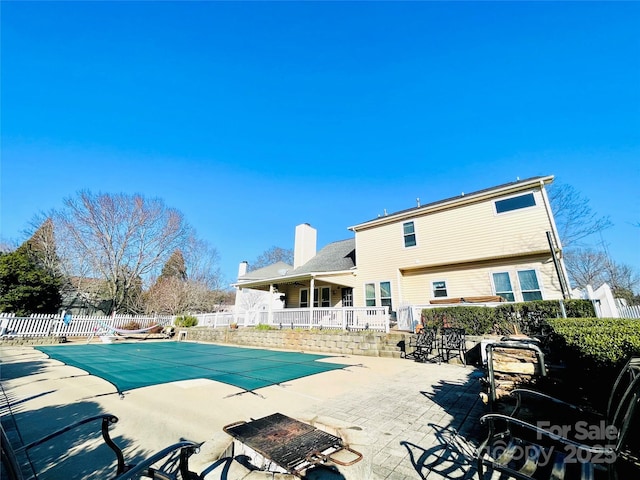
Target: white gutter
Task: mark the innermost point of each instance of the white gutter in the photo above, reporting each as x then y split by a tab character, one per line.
290	279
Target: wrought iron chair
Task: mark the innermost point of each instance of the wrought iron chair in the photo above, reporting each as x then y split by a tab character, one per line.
17	465
584	446
452	339
422	345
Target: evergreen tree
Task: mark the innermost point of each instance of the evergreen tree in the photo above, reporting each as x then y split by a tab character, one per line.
175	267
25	286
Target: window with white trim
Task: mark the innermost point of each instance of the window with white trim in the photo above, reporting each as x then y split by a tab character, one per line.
324	295
439	288
529	285
515	203
304	298
385	294
502	286
370	294
409	231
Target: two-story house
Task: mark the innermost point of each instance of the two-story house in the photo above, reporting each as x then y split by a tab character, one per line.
500	243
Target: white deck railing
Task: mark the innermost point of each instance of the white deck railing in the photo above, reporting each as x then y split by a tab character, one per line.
346	318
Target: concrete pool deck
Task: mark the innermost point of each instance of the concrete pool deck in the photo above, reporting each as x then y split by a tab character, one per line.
397	413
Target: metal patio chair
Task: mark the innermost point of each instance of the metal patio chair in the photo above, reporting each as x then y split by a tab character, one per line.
584	446
452	339
422	345
170	464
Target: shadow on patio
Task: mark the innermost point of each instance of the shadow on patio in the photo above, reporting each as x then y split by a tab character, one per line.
450	455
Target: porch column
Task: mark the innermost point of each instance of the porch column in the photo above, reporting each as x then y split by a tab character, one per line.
312	285
270	311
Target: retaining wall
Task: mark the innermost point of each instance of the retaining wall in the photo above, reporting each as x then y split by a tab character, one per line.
375	344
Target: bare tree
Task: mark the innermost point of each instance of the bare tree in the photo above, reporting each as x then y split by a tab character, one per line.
595	267
586	267
168	296
622	277
120	238
573	215
271	256
202	263
188	283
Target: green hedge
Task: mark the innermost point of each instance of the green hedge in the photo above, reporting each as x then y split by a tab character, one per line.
600	341
186	321
525	317
592	351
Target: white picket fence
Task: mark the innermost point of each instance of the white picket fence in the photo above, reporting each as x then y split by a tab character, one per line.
347	318
217	319
629	311
76	326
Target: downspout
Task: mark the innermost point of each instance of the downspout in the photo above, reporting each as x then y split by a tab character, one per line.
556	263
554	238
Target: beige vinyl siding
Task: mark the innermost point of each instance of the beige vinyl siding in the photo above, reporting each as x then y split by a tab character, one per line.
293	292
476	280
343	279
465	234
456	235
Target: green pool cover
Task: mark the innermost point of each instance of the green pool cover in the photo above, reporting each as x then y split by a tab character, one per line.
134	365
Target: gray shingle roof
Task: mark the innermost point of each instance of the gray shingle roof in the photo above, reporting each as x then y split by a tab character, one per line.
270	271
335	256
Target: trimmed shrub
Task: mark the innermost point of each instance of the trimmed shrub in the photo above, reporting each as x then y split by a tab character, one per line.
264	326
508	318
593	350
474	320
601	341
186	321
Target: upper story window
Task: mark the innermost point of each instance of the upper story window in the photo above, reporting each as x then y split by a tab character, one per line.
515	203
502	285
409	234
370	294
439	289
529	285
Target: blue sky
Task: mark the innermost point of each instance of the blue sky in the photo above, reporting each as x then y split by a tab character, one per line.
251	118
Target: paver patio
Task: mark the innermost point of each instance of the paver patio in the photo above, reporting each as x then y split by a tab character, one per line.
400	414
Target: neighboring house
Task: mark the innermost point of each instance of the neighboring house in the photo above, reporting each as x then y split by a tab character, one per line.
497	242
85	296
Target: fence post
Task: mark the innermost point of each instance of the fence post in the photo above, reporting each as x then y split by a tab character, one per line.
388	320
50	327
